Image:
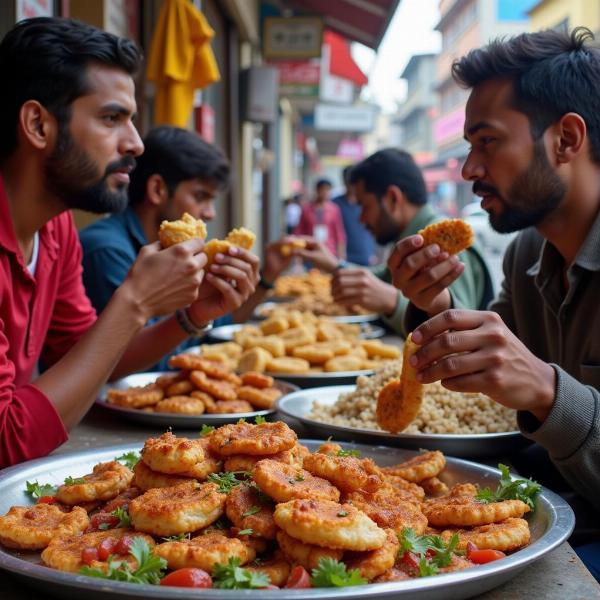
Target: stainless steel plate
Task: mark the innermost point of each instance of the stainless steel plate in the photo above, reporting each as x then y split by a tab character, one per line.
224	333
261	310
551	524
299	406
177	421
316	380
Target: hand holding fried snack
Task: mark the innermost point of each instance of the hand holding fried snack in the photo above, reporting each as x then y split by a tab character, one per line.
400	400
186	228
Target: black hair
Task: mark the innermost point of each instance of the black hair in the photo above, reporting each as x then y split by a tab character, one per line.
177	155
321	183
554	73
45	59
391	166
346	174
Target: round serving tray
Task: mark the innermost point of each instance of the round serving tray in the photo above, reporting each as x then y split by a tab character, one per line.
551	524
261	309
298	405
177	421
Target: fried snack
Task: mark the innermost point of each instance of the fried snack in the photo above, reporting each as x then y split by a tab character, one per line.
413	489
257	380
273	344
33	527
284	482
375	562
182	405
146	479
245	462
244	438
377	349
289	365
262	398
422	466
347	473
185	507
298	336
221	407
123	499
277	569
434	487
64	552
136	397
273	325
167	379
314	354
179	388
399	401
451	235
255	359
295	244
247	508
218	388
343	363
507	535
205	551
106	481
329	524
172	455
242	237
307	555
465	511
186	228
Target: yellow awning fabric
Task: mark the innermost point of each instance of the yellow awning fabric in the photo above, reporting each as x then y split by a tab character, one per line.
180	61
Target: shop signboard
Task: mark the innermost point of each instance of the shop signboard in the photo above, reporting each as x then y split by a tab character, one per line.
287	38
359	119
298	78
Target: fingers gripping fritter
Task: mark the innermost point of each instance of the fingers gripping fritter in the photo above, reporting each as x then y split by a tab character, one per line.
506	536
244	438
64	552
106	481
172	455
285	482
399	401
347	473
465	511
307	555
376	562
146	479
329	524
33	527
451	235
205	551
423	466
185	507
248	508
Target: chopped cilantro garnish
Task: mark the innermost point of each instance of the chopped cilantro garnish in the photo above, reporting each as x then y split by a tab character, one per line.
525	490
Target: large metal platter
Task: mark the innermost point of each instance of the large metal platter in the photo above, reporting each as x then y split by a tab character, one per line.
550	525
261	309
224	333
177	421
316	380
299	405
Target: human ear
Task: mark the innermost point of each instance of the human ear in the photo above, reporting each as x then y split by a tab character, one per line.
156	189
570	137
37	125
394	200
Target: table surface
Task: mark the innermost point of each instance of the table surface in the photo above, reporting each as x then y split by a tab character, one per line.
559	575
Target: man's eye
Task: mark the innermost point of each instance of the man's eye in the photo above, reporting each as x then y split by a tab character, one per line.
111	118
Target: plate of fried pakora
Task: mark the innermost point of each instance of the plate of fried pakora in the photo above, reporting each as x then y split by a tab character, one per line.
248	506
201	392
266	309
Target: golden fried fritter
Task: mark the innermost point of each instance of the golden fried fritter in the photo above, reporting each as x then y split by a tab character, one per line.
241	237
375	562
465	511
507	535
285	482
463	489
106	481
180	509
219	389
205	551
244	438
262	398
434	487
123	499
245	462
136	397
451	235
287	248
347	473
422	466
196	362
179	388
33	527
257	380
211	463
399	401
329	524
393	574
186	228
221	407
247	508
307	555
416	492
330	448
64	552
276	568
172	455
181	405
146	479
167	379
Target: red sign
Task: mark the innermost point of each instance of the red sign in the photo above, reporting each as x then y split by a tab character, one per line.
300	72
205	122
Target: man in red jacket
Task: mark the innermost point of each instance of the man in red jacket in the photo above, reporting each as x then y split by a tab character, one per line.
68	141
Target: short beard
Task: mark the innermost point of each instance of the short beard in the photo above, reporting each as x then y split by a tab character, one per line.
386	229
532	197
72	176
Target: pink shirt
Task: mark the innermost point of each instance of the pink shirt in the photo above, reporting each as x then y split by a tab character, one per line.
324	220
41	316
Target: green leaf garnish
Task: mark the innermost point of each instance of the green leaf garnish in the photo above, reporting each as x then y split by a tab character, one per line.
240	421
37	490
123	516
440	554
251	511
178	538
129	459
227	480
333	573
426	568
259	420
232	577
355	453
70	481
248	531
525	490
206	430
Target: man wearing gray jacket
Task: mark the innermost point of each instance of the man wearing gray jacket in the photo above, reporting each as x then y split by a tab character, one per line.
534	129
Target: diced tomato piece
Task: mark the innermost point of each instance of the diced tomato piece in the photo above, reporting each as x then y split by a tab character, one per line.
88	555
47	500
298	579
107	547
188	577
123	545
481	557
411	560
102	518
